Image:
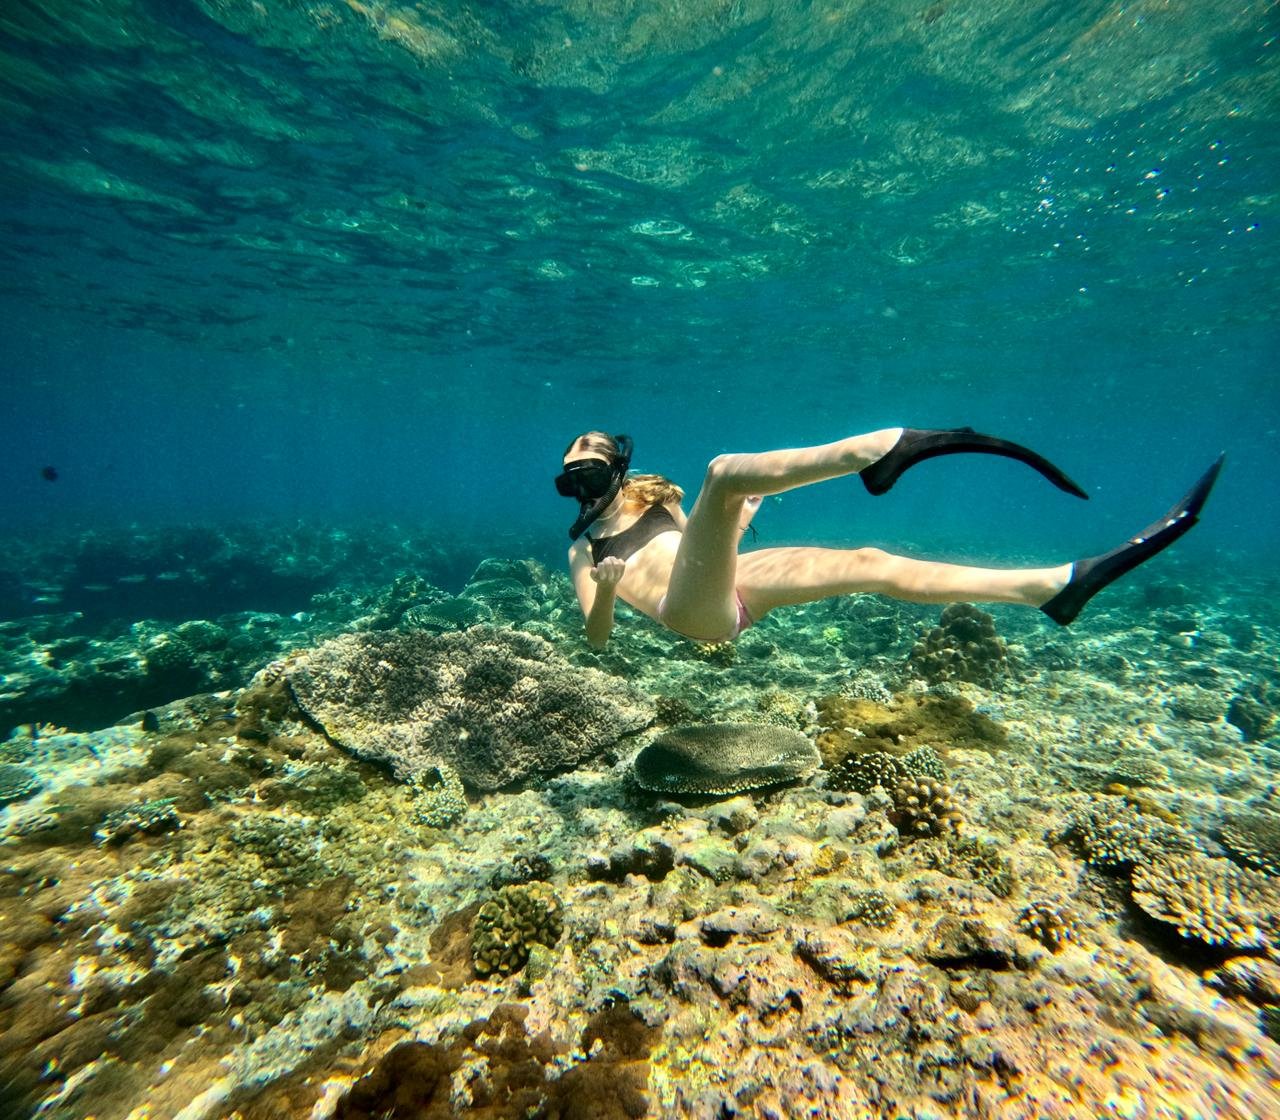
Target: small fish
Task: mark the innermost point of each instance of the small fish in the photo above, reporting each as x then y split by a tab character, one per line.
132	579
169	575
95	587
49	474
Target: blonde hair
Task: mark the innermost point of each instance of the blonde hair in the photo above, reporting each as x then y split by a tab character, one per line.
651	490
646	489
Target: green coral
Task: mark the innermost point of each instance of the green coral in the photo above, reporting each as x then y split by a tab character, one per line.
440	800
862	771
510	923
923	762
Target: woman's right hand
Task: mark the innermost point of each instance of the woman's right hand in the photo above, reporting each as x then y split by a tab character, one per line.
609	572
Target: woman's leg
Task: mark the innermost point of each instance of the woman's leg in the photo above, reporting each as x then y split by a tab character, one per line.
701	596
778	577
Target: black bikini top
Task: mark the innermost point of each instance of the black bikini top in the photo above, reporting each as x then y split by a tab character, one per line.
654	520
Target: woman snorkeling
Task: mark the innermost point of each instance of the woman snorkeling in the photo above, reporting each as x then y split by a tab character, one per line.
687	573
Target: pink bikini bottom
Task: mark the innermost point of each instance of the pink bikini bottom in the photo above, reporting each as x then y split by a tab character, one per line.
744	620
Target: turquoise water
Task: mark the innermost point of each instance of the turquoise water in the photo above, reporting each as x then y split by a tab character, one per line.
302	300
346	259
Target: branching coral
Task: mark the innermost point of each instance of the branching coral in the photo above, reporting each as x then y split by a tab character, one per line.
862	772
1114	833
873	908
148	817
439	798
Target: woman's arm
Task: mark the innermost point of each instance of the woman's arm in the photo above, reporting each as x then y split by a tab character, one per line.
597	589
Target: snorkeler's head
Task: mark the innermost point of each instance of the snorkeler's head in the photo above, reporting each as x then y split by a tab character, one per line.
595	469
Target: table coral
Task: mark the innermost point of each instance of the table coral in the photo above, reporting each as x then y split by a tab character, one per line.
1210	900
1114	833
499	706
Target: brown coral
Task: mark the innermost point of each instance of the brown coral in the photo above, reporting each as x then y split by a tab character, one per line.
1048	922
925	807
1253	838
1117	834
963	646
511	923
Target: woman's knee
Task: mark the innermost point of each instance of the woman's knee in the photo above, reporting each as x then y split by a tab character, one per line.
875	568
722	477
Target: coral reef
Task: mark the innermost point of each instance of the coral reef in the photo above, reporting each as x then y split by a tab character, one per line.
925	807
873	908
1048	922
440	800
496	705
982	859
17	782
1114	833
1210	900
510	1074
1254	710
508	925
724	758
963	646
861	772
149	818
1253	838
911	721
320	939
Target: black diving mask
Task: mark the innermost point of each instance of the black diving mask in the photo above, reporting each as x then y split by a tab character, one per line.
594	483
585	479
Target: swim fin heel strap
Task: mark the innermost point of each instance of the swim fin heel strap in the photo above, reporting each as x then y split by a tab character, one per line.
1091	575
915	445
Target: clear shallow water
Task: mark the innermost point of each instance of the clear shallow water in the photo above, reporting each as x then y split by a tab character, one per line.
351	258
303	301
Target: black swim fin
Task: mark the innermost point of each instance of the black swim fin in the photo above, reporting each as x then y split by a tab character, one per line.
917	444
1090	576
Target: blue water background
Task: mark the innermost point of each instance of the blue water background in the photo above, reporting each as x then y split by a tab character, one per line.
207	337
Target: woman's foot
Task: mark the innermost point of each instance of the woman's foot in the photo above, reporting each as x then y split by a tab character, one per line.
1091	575
918	444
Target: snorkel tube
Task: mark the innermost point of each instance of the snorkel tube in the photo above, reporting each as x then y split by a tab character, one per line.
593	508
